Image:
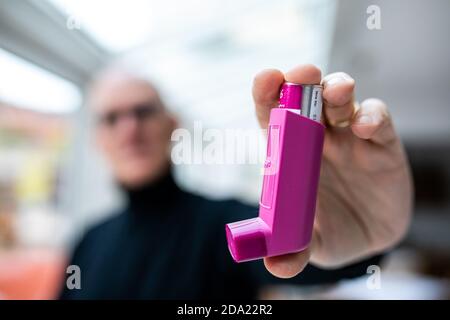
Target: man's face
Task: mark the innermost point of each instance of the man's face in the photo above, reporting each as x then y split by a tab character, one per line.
132	129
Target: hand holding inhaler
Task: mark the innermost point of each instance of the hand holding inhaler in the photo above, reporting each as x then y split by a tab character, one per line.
364	194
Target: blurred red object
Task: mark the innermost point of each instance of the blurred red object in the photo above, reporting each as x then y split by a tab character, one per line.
30	274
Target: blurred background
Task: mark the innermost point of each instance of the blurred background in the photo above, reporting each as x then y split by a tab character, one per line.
203	56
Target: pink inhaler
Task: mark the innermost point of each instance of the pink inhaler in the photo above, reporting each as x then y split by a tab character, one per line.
291	177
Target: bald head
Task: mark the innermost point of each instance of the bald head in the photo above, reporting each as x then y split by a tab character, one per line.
133	127
110	85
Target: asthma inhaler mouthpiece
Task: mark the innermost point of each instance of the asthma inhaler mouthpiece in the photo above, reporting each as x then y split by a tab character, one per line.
289	192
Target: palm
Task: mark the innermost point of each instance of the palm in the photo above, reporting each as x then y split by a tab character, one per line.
359	191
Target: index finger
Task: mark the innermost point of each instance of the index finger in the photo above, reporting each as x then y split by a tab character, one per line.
267	83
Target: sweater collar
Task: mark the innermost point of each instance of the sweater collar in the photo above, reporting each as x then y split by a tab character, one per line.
157	196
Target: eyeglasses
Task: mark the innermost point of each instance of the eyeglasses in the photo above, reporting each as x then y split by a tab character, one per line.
140	113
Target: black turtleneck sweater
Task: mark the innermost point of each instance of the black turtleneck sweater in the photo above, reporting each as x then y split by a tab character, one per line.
170	244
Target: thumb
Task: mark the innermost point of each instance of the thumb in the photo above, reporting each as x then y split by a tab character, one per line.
288	265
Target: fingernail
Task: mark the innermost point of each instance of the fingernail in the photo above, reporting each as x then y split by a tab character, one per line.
336	80
364	119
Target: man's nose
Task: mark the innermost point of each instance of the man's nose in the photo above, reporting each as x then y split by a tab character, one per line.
128	125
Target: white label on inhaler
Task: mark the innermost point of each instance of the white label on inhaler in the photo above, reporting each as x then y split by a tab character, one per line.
316	104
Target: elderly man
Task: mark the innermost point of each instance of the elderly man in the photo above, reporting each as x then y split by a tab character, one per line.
168	243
